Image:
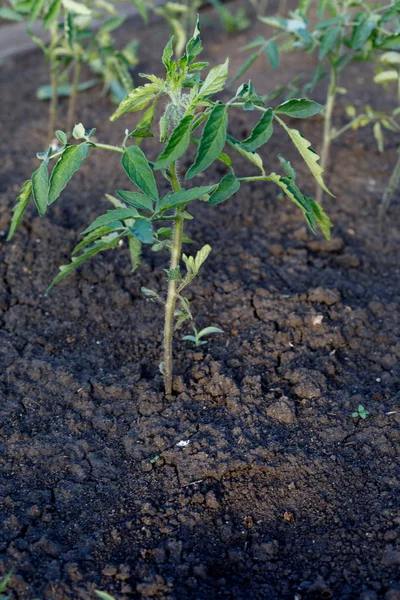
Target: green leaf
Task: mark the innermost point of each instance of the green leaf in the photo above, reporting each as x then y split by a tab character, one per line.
138	99
310	156
329	41
172	200
287	167
20	207
68	163
272	52
143	230
112	216
362	32
137	168
312	211
215	80
301	108
261	132
141	6
8	13
76	8
194	45
193	264
52	14
105	243
62	136
391	42
37	6
104	595
208	331
45	92
136	199
142	129
321	217
167	54
135	251
96	234
244	67
212	141
387	76
177	143
40	187
251	156
228	186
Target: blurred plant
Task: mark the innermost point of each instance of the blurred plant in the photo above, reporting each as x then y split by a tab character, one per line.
137	215
360	413
3	585
230	21
345	31
196	338
72	44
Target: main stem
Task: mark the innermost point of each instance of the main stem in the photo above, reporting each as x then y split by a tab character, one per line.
53	101
172	287
392	185
326	144
72	99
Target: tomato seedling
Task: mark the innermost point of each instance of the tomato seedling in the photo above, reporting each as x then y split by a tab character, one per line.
198	335
143	215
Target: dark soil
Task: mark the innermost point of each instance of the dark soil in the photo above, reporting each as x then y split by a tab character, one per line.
278	493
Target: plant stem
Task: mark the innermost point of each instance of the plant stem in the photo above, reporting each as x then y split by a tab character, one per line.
72	99
172	289
326	144
392	185
53	101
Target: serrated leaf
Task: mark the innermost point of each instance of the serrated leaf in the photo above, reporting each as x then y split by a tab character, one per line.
137	99
212	141
143	230
193	264
228	186
251	156
215	80
310	156
142	129
312	211
300	108
261	132
172	200
20	207
40	187
106	243
112	216
177	143
137	168
136	199
68	163
194	45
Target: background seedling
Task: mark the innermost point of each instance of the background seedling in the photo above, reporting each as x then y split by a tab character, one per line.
360	413
198	335
345	31
143	215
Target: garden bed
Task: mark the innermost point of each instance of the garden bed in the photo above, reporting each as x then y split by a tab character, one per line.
254	481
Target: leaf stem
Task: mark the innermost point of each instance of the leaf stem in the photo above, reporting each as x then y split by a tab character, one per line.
53	100
391	187
172	289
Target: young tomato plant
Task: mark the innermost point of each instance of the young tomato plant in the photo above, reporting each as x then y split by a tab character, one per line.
345	31
143	215
198	335
72	43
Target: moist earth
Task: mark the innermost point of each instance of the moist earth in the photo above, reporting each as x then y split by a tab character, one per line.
254	480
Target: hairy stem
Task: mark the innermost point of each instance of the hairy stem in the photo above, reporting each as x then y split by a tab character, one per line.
172	289
74	94
326	144
391	187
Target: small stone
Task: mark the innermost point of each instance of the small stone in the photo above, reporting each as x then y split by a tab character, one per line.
307	390
109	571
324	296
211	500
281	411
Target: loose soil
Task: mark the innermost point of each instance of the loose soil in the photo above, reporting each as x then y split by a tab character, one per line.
254	481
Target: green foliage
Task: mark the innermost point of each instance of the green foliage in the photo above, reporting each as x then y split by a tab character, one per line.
198	335
360	413
144	216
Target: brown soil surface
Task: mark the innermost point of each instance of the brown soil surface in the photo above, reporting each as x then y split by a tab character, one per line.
279	494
